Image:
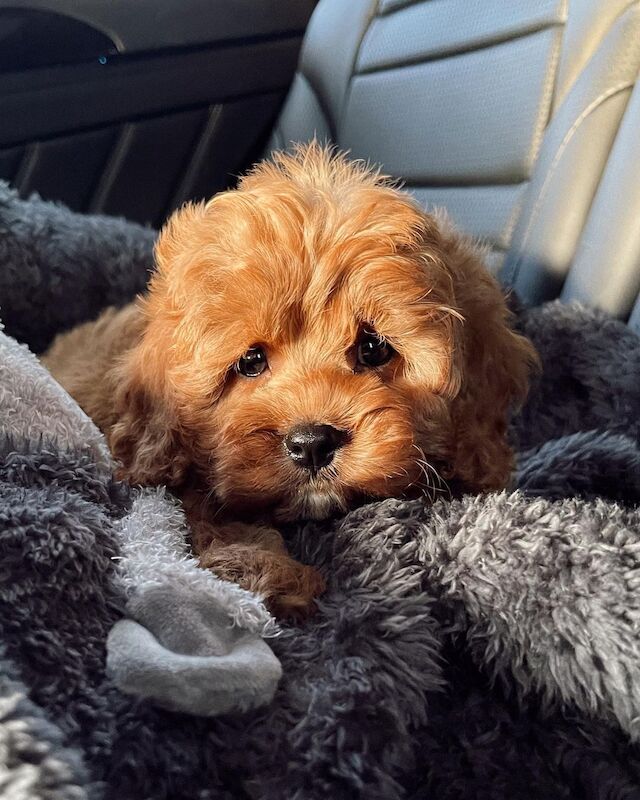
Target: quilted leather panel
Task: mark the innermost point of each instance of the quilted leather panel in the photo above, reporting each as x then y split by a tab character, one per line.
442	27
199	152
301	119
576	146
329	50
606	267
510	115
587	26
445	122
392	5
486	211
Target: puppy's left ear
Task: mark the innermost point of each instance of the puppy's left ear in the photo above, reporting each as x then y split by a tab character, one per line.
494	365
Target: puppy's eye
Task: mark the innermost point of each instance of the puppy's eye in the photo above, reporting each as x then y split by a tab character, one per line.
253	362
373	350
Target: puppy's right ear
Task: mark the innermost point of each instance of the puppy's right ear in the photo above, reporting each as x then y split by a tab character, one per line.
145	436
146	441
184	233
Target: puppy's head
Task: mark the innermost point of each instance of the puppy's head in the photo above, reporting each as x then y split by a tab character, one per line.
312	339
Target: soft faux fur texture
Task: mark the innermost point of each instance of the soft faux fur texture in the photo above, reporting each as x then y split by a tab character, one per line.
45	249
193	640
487	648
371	319
483	648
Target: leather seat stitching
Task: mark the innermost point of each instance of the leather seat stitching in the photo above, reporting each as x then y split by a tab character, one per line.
586	112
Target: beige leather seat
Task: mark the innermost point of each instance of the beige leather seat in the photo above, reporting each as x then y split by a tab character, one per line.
521	117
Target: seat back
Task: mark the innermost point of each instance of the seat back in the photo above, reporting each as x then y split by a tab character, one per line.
521	118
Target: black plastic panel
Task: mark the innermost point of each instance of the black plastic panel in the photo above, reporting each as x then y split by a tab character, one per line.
145	26
43	102
9	162
137	133
139	178
65	169
30	38
233	137
144	169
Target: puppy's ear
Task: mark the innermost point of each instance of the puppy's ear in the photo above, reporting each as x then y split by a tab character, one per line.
180	230
494	364
146	440
144	434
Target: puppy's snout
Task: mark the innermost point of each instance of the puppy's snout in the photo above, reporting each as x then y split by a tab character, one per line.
313	446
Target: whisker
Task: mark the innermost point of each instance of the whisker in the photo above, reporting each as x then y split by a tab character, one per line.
431	476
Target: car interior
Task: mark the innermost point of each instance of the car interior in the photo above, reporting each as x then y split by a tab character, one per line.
520	120
488	649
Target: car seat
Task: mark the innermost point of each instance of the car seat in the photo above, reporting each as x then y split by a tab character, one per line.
521	118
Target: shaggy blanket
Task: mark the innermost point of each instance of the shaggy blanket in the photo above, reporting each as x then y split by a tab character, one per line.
487	647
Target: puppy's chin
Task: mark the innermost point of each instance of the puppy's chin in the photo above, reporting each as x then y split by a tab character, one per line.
312	502
314	499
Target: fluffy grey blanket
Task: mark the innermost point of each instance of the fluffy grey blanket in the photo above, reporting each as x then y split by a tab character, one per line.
482	648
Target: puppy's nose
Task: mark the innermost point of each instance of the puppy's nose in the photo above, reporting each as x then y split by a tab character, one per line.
313	446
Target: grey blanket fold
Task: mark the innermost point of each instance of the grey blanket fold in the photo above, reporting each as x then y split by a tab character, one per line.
487	647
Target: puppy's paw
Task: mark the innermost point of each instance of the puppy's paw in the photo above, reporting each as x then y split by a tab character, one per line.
289	588
294	597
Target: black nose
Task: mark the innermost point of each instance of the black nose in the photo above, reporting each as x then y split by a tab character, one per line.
313	446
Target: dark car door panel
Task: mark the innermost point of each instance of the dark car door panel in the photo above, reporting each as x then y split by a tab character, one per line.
129	131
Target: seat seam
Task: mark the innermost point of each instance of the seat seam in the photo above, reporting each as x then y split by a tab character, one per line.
373	13
408	4
321	103
279	138
604	35
547	94
27	164
462	51
586	112
417	183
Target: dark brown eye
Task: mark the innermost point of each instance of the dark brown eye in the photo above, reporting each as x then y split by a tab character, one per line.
373	350
253	362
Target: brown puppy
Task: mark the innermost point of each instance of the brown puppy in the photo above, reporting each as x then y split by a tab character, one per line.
309	340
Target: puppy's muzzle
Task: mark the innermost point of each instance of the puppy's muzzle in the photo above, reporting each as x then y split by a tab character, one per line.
312	447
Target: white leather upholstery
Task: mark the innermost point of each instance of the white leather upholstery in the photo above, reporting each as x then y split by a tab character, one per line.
516	116
606	266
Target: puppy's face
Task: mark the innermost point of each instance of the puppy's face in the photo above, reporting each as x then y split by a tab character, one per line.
315	339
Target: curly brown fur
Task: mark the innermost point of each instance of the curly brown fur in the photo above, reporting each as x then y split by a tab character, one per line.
308	252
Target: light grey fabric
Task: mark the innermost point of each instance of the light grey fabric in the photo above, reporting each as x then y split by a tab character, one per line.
447	658
180	649
153	542
193	641
506	114
35	407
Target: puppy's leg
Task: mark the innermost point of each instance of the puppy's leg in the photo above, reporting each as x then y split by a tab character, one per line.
255	557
